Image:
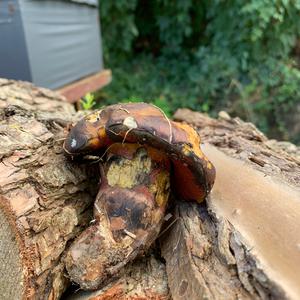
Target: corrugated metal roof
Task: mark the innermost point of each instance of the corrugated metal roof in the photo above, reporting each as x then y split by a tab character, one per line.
89	2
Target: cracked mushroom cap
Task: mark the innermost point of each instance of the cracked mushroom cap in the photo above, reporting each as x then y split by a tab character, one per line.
193	174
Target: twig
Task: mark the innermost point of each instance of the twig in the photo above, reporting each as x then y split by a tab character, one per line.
132	235
62	139
170	125
168	227
126	135
122	108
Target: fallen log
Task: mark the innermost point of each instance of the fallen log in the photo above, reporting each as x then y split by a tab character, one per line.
244	242
241	244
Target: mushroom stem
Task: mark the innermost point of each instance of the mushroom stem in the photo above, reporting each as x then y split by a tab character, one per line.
129	211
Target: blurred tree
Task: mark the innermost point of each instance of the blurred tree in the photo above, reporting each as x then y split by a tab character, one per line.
208	55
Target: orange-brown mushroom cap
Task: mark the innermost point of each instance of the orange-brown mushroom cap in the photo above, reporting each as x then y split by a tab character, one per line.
193	174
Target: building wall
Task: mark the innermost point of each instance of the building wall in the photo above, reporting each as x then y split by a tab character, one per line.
63	41
14	62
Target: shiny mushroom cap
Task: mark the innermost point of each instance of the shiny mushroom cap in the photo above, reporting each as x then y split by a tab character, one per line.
193	174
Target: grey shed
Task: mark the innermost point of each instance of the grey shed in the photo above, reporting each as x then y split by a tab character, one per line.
49	42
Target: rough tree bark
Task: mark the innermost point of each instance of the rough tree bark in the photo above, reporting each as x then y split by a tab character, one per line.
44	198
243	243
143	279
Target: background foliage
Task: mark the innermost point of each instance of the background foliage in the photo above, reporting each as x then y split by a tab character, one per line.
208	55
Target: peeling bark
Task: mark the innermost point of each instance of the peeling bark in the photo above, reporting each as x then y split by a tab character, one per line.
144	279
198	266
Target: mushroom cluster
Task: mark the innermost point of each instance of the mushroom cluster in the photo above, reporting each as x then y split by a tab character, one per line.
145	155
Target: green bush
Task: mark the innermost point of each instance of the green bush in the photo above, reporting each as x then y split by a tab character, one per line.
206	55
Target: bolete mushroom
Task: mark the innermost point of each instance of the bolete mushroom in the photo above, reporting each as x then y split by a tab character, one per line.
146	153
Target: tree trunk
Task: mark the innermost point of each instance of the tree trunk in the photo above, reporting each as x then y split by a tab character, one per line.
244	242
45	198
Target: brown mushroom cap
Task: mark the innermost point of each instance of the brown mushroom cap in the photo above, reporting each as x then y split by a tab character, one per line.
193	174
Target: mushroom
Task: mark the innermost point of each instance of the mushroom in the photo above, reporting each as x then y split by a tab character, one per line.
146	155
